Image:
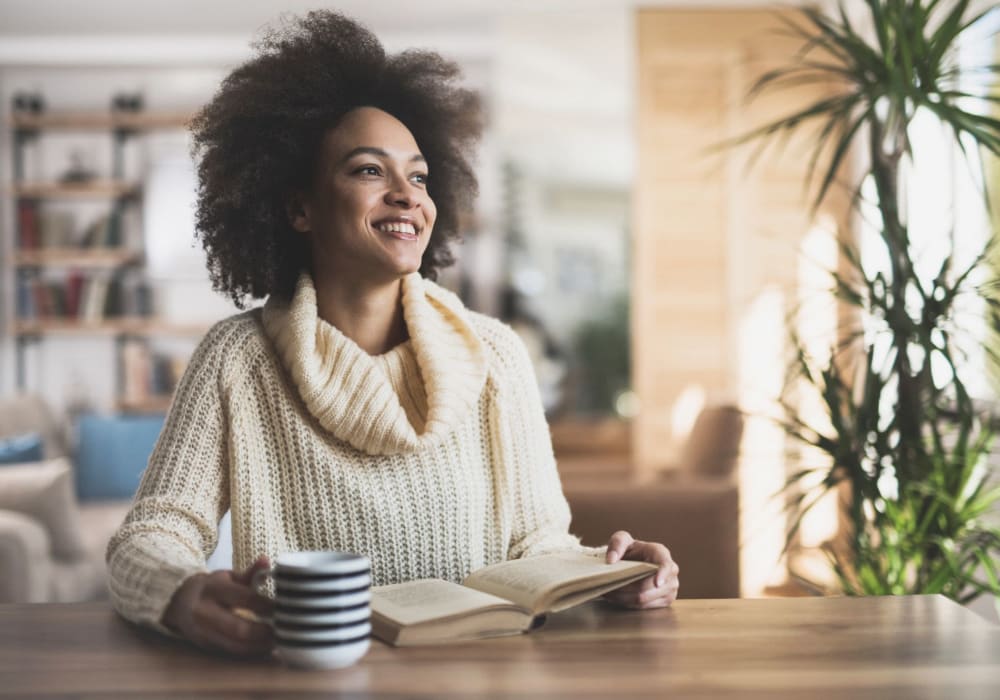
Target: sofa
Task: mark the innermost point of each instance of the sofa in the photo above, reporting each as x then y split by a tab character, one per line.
51	545
691	506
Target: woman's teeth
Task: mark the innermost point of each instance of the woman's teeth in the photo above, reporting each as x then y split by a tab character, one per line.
394	227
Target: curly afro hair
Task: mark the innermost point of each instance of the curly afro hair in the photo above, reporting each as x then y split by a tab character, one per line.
259	140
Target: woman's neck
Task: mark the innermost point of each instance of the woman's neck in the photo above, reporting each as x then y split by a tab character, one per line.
370	315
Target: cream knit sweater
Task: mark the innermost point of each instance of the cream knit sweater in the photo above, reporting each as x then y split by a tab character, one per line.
433	459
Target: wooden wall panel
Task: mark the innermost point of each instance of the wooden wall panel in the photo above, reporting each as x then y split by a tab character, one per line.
700	213
712	239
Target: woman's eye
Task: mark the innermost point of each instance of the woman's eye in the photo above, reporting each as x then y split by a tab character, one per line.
419	178
368	170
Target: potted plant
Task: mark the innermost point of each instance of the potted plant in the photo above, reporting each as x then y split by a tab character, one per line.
905	444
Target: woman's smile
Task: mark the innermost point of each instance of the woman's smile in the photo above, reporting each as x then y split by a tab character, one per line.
403	228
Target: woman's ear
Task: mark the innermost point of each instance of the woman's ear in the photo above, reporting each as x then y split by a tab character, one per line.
298	213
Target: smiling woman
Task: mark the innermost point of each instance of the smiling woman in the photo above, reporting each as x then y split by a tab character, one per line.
368	217
363	408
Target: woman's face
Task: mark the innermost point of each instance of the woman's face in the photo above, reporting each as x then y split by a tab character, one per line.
368	215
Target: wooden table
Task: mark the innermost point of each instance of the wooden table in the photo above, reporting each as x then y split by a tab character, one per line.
905	647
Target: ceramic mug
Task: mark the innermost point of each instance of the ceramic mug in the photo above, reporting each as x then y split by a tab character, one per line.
321	607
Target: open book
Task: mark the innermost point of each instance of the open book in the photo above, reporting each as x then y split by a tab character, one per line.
497	600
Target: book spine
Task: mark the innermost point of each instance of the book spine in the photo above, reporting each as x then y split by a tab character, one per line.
27	225
113	232
160	375
57	294
93	299
26	309
143	299
113	301
135	358
74	291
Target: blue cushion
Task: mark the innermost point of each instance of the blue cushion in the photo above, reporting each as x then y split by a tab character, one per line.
112	454
21	448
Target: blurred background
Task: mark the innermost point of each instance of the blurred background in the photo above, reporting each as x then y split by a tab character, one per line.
650	275
547	246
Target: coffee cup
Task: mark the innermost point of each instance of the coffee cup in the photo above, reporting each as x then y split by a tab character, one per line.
322	613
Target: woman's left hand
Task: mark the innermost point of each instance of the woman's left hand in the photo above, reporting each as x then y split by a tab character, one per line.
656	591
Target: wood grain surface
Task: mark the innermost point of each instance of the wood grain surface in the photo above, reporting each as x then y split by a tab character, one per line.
902	647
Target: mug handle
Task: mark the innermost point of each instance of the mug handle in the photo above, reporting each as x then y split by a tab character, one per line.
259	578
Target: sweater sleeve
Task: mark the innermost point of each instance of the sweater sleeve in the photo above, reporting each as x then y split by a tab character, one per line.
540	512
172	525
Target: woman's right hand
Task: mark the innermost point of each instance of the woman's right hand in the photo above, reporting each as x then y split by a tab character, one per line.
203	611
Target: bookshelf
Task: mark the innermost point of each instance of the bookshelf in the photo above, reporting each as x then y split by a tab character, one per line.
100	121
85	278
76	257
96	189
137	326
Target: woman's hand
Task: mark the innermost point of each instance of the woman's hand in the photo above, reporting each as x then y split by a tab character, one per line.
203	611
656	591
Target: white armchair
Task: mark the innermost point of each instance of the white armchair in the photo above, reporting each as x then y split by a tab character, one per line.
51	548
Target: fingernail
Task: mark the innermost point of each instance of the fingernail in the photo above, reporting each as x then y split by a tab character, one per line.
659	580
612	557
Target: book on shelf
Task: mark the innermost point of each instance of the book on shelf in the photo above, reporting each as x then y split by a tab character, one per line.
74	293
503	599
55	228
114	302
103	232
148	374
166	373
83	297
40	299
78	298
25	300
40	228
135	358
140	299
27	225
94	298
45	300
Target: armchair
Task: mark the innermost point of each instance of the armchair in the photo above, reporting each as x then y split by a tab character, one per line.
51	546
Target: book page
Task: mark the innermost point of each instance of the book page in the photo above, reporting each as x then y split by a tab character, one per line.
428	599
529	581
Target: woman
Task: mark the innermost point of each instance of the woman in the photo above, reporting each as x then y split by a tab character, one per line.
363	408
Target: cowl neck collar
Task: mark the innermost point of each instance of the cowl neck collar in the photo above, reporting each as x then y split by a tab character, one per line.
344	389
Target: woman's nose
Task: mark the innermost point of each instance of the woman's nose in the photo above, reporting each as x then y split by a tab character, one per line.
401	193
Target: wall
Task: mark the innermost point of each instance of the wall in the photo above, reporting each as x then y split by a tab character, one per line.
716	250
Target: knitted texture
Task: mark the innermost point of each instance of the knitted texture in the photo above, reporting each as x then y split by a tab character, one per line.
434	459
